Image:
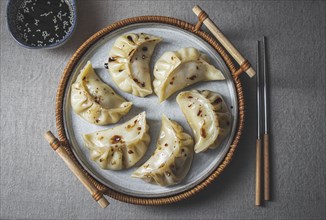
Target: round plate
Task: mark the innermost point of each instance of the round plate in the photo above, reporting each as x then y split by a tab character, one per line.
203	164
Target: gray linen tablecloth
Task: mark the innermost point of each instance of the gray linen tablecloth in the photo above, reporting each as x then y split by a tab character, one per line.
36	184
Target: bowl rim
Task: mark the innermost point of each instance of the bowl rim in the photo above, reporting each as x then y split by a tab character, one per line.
64	40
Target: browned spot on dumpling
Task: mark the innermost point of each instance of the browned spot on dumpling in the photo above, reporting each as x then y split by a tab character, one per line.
190	97
132	125
97	99
162	165
111	59
218	100
131	52
144	49
193	77
116	139
172	81
203	132
130	39
139	128
130	152
166	144
199	112
139	83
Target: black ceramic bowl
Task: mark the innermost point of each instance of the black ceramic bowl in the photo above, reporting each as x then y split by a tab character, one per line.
13	7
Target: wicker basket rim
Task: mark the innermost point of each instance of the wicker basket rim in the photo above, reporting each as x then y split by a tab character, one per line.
61	94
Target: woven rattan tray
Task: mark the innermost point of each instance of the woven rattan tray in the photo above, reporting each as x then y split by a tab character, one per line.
96	187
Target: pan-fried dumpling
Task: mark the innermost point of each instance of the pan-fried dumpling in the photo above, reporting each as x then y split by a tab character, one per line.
179	69
119	147
207	115
95	101
129	63
172	158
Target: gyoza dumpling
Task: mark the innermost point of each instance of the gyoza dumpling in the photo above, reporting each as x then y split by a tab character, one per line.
172	158
207	115
129	63
179	69
119	147
95	101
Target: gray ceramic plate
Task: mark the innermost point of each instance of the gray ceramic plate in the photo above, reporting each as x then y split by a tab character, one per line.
203	164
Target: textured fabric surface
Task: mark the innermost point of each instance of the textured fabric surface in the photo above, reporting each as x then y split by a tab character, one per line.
36	184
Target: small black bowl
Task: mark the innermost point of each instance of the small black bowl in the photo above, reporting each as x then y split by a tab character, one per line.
12	10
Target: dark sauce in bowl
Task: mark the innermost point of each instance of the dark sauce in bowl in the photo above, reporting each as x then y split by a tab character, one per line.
41	23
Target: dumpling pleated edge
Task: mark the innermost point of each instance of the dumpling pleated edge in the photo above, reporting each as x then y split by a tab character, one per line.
119	153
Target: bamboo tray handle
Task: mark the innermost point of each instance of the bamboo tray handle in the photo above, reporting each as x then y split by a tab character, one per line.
57	147
244	64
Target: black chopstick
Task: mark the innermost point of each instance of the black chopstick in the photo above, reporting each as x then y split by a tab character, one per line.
266	133
258	141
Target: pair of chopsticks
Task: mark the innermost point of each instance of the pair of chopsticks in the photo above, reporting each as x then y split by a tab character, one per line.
262	103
